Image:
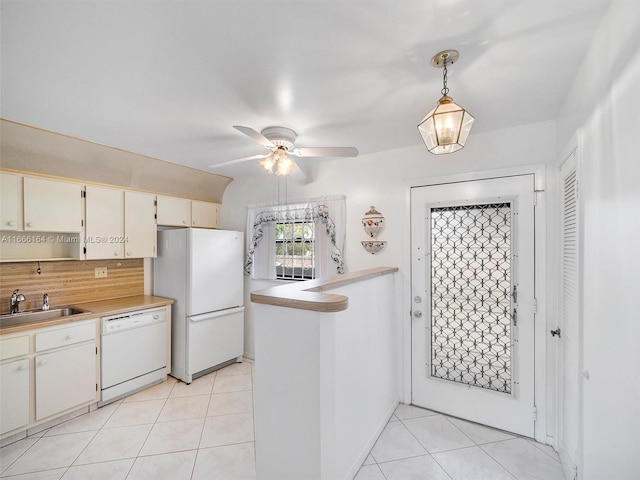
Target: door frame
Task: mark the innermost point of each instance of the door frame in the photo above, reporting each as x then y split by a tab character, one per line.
545	372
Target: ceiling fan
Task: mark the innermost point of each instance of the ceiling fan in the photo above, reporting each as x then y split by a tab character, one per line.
280	143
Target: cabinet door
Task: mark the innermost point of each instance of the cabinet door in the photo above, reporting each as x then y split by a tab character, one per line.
65	379
104	228
52	205
205	214
139	225
8	201
174	211
14	395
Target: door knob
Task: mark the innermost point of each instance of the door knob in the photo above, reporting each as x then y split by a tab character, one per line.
417	314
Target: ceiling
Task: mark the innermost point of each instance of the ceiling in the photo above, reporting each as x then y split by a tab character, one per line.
170	78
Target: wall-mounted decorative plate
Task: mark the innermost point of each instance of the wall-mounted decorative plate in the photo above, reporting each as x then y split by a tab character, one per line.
373	222
373	246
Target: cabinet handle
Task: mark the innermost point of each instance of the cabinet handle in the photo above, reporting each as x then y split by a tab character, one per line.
128	254
115	254
29	224
68	337
22	367
194	222
11	223
184	222
42	362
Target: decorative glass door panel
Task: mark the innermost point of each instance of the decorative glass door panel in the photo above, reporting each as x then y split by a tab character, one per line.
471	295
473	301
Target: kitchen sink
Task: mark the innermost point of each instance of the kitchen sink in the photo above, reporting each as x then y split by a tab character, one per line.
10	320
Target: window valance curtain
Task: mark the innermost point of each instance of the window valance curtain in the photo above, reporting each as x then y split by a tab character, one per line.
327	213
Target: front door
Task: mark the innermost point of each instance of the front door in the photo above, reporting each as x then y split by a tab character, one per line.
473	301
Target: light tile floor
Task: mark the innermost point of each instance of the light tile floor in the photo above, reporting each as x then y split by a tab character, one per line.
175	431
171	431
421	444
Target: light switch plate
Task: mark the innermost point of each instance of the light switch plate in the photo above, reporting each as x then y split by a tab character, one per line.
101	272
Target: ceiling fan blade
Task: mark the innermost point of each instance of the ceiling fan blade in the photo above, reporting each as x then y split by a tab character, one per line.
258	137
326	152
238	160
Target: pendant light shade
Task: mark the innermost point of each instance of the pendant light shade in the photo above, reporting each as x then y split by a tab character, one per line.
445	128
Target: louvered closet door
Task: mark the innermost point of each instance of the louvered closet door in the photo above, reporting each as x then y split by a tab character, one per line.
570	318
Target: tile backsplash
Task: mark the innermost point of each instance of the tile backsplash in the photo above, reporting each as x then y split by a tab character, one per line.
70	282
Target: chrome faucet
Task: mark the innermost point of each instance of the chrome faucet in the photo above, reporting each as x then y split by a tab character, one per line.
16	298
45	301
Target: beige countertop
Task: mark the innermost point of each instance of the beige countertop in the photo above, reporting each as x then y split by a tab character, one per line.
94	310
311	294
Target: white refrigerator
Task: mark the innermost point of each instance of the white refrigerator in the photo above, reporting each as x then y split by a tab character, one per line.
202	271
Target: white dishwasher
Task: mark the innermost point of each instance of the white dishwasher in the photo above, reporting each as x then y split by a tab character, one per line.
133	352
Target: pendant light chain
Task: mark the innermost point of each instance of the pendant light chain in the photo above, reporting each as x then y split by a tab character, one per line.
445	89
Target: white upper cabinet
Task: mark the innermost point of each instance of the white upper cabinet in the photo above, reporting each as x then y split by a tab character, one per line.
205	214
104	223
52	205
108	221
8	201
139	225
174	211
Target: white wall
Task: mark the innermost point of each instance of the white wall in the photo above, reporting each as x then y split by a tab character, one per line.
383	180
603	107
326	383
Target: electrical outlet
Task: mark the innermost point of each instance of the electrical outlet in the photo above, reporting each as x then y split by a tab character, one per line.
101	272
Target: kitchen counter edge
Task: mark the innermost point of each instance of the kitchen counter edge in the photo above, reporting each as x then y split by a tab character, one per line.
310	294
95	309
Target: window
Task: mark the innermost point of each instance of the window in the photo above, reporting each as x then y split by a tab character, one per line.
296	241
295	244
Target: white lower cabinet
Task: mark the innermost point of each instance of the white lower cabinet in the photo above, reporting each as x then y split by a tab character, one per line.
14	395
65	379
47	372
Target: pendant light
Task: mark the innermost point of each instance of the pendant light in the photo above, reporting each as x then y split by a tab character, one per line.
445	128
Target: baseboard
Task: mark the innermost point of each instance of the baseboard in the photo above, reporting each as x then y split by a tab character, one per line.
372	441
566	463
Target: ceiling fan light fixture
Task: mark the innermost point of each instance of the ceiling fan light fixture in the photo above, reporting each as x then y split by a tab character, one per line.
268	163
280	143
445	128
285	165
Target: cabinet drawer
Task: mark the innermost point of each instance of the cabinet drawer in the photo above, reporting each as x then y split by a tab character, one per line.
14	347
65	336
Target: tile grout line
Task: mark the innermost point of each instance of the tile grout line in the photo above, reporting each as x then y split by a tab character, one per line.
498	461
430	453
165	397
135	459
92	438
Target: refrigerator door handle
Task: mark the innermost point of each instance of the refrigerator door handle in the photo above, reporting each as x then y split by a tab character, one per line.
217	313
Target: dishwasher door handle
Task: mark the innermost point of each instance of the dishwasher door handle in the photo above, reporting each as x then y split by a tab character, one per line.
219	313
